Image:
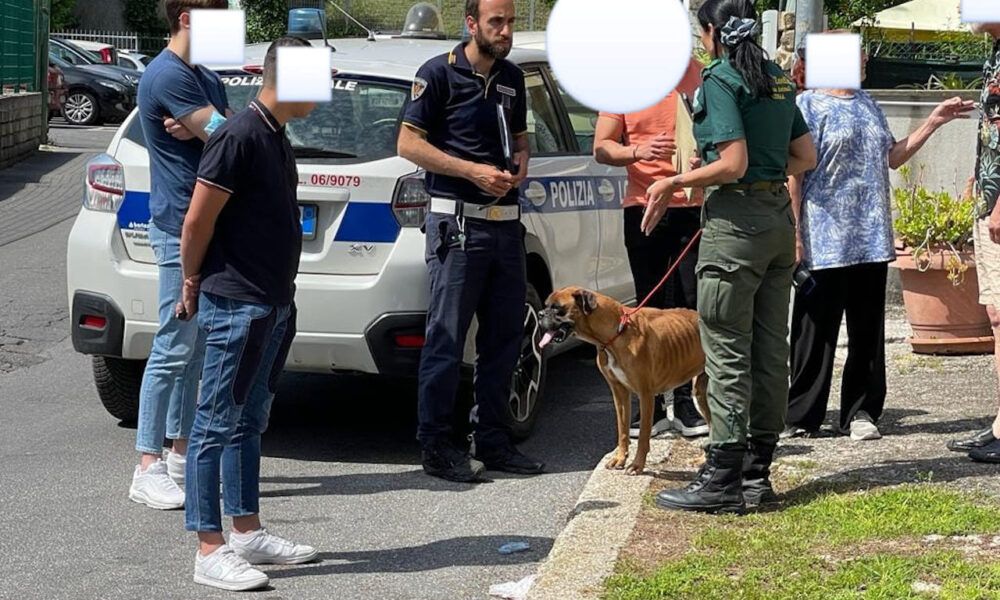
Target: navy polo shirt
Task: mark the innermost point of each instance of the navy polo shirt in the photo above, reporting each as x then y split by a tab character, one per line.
456	108
171	87
254	254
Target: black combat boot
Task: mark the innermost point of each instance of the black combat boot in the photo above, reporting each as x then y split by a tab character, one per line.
757	488
718	487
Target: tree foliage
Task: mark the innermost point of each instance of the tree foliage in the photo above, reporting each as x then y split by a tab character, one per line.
144	16
266	19
61	16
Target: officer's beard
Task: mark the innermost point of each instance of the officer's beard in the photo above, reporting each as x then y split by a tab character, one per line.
491	49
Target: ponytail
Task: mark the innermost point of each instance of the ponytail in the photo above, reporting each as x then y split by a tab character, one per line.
735	28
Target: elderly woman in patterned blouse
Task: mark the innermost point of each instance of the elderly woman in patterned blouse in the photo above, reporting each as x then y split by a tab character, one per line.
845	239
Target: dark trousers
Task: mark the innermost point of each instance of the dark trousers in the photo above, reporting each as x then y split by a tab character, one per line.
487	279
650	256
858	291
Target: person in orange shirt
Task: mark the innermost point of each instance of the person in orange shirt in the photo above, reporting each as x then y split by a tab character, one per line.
643	143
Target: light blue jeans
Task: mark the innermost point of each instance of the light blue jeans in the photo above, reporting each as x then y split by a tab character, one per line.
169	389
245	352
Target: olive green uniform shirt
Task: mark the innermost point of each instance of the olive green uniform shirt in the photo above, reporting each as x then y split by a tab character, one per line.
726	110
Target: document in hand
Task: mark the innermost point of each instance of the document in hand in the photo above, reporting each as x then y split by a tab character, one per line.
684	137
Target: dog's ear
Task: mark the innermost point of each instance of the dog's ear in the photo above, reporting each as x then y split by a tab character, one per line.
586	301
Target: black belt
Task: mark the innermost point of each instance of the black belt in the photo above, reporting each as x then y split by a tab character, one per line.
757	186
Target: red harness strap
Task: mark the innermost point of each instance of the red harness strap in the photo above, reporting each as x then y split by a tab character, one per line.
627	313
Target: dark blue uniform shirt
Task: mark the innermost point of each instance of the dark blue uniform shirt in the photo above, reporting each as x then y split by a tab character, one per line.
254	254
457	108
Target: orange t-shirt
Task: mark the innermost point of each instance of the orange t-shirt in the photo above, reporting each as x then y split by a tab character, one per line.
641	127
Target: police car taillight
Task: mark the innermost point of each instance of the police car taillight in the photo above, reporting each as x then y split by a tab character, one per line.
409	203
105	187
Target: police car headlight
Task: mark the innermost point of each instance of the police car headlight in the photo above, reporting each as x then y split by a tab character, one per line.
409	203
105	185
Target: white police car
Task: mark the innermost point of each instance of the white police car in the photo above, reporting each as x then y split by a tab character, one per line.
362	283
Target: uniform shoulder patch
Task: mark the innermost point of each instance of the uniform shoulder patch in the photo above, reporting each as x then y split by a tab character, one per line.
419	85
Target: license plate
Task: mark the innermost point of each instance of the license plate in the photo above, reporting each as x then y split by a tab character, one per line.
307	215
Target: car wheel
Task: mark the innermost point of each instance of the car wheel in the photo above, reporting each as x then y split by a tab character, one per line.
118	381
81	108
528	384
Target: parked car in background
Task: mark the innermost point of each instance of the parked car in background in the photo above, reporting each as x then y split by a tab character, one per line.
96	93
57	89
71	52
104	53
133	60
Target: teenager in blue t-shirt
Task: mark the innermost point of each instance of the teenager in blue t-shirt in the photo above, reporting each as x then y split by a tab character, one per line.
179	106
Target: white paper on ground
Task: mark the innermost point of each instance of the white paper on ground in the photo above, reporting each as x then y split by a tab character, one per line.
513	590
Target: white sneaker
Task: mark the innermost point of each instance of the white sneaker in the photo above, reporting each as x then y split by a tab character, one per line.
175	467
227	570
263	548
154	488
863	428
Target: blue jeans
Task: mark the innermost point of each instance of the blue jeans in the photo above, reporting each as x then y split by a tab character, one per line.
169	389
245	352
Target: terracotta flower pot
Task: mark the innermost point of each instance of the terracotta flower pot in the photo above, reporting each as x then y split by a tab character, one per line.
945	318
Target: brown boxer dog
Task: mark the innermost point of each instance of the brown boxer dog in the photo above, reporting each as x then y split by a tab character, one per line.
656	352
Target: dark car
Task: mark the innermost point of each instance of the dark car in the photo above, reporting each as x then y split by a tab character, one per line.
72	53
96	93
57	89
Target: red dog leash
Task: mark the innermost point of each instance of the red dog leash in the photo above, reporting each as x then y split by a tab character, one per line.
628	312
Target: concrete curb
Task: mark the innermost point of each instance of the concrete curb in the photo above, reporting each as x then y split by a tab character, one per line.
586	551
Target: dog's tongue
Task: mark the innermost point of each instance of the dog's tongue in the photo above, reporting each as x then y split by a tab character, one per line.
545	339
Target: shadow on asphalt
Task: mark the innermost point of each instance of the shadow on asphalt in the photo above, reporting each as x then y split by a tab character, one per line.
461	551
15	178
359	419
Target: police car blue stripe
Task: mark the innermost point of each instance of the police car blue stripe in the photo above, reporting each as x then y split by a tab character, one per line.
134	211
368	222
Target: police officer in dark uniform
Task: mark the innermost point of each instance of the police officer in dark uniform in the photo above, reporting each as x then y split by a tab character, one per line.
466	125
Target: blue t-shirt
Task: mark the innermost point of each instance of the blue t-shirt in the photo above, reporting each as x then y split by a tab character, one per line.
171	87
846	215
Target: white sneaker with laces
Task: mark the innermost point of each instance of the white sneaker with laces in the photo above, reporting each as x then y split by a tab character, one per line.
154	488
863	428
224	569
175	467
263	548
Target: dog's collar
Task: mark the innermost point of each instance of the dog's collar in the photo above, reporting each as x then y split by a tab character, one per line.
623	323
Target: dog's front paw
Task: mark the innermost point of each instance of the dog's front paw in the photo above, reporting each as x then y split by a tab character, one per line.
617	461
636	468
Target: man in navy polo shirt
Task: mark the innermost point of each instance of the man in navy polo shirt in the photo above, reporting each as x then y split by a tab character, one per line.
240	249
462	108
190	101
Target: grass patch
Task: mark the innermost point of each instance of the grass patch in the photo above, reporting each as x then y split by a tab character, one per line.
859	545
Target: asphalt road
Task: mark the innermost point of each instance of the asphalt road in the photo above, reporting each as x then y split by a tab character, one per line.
341	468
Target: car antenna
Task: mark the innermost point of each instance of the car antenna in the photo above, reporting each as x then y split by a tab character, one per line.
371	33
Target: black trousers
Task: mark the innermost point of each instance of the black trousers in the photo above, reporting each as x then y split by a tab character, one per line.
649	257
859	292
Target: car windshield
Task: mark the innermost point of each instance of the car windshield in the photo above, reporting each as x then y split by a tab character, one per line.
85	58
360	124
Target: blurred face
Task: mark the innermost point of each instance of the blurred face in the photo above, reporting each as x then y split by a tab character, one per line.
494	31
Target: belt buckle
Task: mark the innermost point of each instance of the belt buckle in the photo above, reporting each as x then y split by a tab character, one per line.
494	213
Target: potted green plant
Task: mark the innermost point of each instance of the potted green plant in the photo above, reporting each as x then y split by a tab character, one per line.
938	271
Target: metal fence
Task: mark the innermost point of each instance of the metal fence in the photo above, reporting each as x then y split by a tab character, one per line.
123	40
20	69
389	15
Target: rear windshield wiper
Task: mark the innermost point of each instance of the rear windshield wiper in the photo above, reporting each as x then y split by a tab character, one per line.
307	152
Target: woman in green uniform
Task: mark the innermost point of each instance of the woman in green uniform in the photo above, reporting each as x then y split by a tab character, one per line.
750	136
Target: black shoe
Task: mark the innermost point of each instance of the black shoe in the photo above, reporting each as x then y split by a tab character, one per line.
510	460
444	460
718	487
687	420
661	420
757	489
980	439
989	453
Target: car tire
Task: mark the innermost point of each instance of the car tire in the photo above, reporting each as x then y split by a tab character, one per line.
118	381
81	108
528	385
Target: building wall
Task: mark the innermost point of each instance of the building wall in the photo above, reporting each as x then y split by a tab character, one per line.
21	127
